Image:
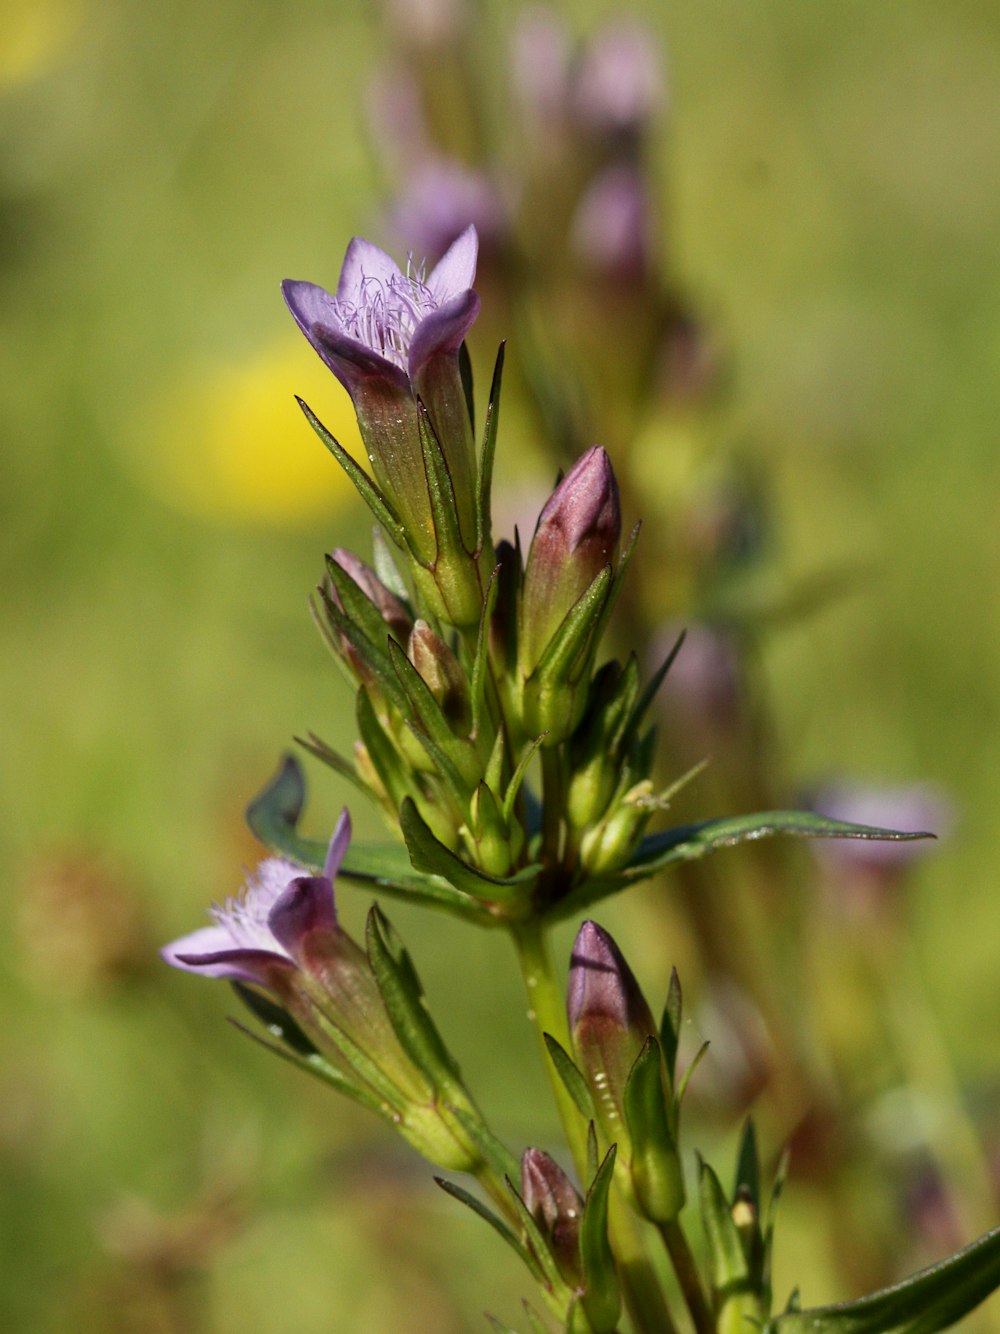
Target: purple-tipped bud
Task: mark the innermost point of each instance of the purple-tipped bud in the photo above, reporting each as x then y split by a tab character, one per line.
575	539
443	674
608	1017
397	618
555	1204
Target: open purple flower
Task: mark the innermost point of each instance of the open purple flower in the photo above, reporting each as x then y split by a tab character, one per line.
390	337
261	936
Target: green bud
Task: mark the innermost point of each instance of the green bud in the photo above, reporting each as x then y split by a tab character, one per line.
654	1166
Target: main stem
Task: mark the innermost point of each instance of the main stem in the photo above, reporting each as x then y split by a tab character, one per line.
640	1285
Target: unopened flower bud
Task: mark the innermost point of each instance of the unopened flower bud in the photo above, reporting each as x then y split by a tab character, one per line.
443	673
608	1017
555	1204
567	581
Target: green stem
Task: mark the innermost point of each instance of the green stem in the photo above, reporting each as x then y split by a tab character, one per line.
552	783
688	1276
640	1286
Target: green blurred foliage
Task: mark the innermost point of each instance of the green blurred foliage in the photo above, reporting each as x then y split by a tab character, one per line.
832	186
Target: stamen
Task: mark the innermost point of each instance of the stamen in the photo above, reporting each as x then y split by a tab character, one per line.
388	311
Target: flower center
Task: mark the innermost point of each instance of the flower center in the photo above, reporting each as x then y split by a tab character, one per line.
245	917
388	311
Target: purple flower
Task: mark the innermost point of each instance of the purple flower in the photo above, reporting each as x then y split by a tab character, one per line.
619	83
612	226
262	936
390	337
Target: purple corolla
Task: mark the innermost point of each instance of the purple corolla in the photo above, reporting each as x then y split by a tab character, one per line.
391	337
263	935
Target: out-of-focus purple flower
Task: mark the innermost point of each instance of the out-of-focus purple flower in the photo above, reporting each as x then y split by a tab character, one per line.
612	227
262	935
426	23
863	877
916	808
540	62
438	200
619	84
389	336
703	690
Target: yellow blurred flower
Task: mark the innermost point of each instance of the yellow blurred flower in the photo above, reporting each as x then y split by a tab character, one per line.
232	445
35	33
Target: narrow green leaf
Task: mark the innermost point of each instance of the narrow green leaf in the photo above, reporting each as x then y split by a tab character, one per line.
699	1056
538	1325
670	1026
575	631
730	1274
931	1300
693	841
335	761
278	1022
688	842
480	663
601	1294
319	1069
766	1278
495	1221
514	786
572	1078
393	773
484	482
366	488
440	487
273	818
403	995
654	683
545	1267
493	1150
748	1165
428	854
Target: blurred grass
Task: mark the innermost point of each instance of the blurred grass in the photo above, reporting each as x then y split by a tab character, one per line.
833	191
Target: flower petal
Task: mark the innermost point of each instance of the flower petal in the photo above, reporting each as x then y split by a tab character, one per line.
305	906
442	330
210	952
351	362
364	260
339	840
455	272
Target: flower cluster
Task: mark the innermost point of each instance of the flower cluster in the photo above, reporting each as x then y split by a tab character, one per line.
518	764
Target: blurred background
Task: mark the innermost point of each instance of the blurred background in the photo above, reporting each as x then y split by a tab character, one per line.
826	184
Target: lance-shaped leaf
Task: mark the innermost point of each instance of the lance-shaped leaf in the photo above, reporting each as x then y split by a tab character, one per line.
456	756
403	995
484	482
430	855
670	1026
483	1211
573	1081
273	818
693	841
601	1294
318	1067
931	1300
385	516
728	1262
492	1149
